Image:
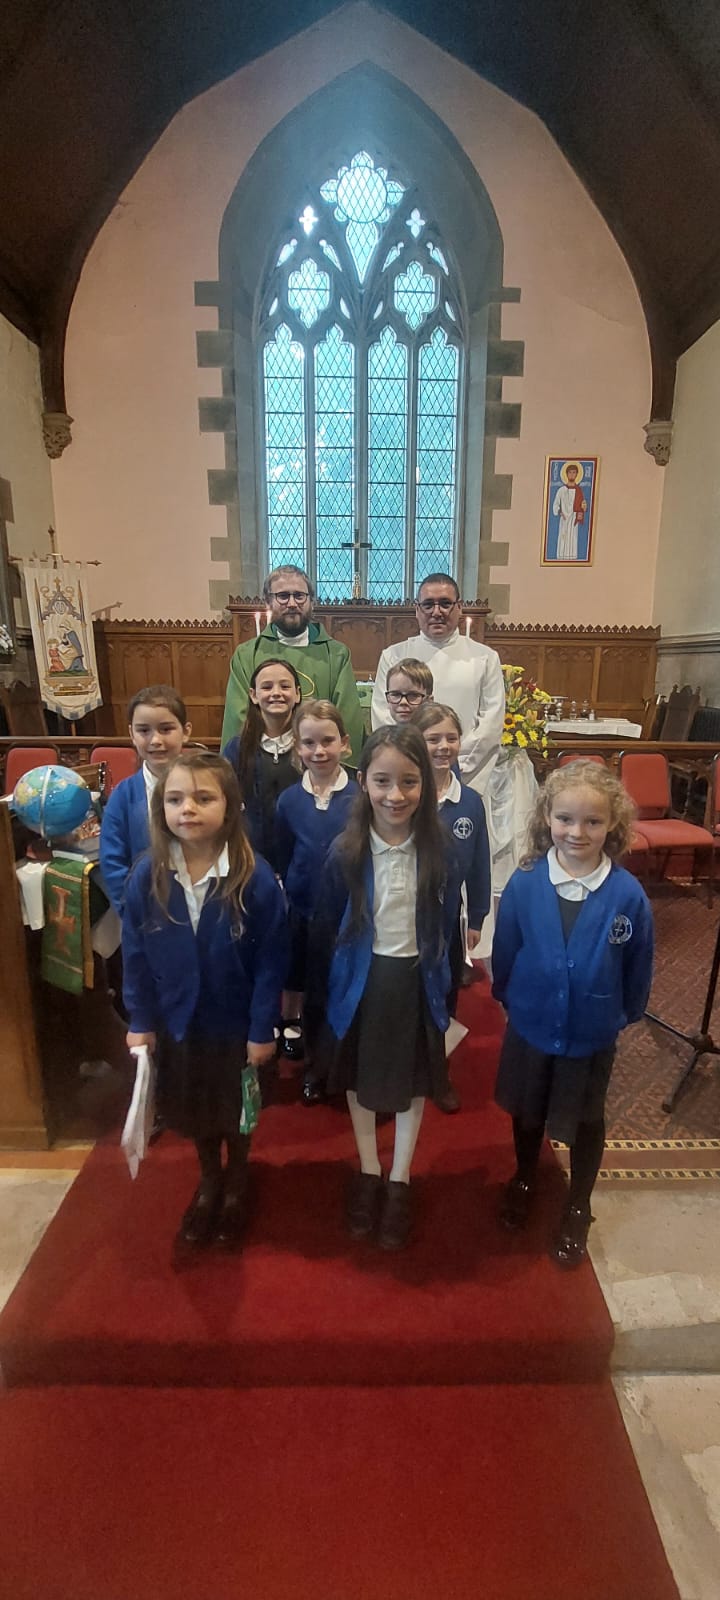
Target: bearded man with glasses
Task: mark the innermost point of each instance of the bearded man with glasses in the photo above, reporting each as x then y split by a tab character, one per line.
466	675
322	664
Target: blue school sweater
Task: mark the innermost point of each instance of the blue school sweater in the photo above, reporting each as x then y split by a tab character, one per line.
124	834
337	983
303	836
572	999
464	821
226	979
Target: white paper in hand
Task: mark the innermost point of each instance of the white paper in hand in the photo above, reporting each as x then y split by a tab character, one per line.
139	1120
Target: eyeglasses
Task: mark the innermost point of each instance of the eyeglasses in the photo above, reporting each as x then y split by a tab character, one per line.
286	595
413	697
439	605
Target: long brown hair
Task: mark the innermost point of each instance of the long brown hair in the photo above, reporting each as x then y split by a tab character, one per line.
232	833
254	727
575	775
354	843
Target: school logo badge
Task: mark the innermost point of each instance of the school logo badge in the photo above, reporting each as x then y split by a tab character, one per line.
621	930
463	827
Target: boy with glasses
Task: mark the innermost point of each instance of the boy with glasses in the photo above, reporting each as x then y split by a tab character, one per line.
323	664
409	685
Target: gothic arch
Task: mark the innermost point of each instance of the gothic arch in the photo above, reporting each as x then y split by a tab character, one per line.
365	107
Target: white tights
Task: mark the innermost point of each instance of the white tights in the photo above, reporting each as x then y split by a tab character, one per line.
407	1128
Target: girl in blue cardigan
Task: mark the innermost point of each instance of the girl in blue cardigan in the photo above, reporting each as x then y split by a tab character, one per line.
309	816
379	942
205	952
572	965
158	726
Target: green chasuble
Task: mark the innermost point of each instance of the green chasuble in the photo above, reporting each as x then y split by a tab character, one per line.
323	667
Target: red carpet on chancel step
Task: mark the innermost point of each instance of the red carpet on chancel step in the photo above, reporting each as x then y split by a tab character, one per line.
312	1420
106	1301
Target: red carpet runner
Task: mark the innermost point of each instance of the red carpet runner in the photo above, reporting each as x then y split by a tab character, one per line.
343	1425
103	1300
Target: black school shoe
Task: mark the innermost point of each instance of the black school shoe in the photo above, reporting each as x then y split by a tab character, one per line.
515	1203
199	1221
292	1042
396	1220
363	1203
570	1248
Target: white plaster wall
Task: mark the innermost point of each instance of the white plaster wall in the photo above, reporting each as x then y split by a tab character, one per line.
132	488
687	588
23	460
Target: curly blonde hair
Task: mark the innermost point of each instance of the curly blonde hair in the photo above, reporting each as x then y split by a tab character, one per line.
575	775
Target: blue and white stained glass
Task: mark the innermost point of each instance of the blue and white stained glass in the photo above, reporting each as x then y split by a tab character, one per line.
439	368
308	292
415	295
387	465
363	197
287	251
438	256
415	223
331	254
285	447
334	462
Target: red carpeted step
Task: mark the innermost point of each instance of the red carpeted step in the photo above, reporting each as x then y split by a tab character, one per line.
104	1301
511	1493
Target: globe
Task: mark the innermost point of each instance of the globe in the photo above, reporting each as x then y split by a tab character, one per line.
51	800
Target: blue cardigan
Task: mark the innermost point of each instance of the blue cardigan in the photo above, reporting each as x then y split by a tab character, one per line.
124	835
303	836
226	979
572	999
337	984
464	821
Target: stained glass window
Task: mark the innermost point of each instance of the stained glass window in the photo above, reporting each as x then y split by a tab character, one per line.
362	357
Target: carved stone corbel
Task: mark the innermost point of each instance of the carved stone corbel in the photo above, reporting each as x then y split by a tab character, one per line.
658	439
57	434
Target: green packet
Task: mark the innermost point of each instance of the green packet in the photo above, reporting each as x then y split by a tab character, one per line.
251	1100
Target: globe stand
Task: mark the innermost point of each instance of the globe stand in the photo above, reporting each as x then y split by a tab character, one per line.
702	1042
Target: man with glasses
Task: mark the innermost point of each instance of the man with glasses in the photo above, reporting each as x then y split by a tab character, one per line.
322	664
466	675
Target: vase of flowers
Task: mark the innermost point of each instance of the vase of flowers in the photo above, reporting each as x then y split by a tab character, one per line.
526	709
513	785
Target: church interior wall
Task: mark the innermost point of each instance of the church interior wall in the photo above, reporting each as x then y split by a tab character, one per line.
26	496
132	489
687	586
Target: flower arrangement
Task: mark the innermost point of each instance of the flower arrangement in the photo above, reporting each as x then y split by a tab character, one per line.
525	711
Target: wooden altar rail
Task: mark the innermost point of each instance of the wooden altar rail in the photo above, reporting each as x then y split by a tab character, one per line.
612	668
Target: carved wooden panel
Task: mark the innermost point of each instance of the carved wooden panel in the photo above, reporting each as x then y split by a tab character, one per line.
613	668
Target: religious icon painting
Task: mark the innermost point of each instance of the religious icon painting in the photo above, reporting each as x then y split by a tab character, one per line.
569	510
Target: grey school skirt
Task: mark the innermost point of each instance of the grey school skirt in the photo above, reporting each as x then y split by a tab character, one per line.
557	1092
393	1052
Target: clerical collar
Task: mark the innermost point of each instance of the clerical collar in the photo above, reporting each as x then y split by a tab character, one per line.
293	640
442	644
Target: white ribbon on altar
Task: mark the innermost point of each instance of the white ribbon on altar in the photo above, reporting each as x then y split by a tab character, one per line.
61	623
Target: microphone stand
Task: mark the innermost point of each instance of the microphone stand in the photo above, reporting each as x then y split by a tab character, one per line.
702	1042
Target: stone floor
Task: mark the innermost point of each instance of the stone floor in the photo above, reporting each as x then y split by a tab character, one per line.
655	1251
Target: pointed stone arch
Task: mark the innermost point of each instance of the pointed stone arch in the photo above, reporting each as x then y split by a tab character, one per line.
363	108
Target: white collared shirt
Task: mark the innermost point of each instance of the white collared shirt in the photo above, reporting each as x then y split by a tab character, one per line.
150	784
322	801
394	897
570	888
452	792
195	893
278	746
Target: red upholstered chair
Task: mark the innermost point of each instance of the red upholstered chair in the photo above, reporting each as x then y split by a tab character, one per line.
647	780
567	756
21	758
120	761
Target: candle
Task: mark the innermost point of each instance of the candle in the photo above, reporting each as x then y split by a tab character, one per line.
257	621
467	627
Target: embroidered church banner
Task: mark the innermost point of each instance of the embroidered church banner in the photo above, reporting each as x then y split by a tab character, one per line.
61	622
